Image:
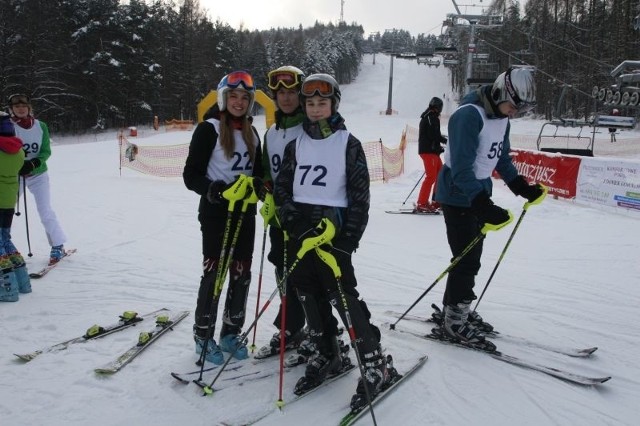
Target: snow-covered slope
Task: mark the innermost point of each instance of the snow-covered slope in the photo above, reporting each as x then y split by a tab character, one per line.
569	278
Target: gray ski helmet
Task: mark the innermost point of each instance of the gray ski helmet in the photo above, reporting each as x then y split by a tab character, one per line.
436	103
516	85
322	85
236	80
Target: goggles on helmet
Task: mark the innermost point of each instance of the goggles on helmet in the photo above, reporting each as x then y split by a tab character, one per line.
237	78
283	78
317	87
18	99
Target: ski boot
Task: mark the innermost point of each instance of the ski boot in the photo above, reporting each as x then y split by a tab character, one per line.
273	348
458	329
231	343
57	253
213	354
379	374
8	282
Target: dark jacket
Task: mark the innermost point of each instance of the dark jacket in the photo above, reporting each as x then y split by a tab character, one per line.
350	221
203	141
457	183
429	136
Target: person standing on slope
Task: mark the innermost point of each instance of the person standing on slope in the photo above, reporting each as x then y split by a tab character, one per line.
324	177
223	147
479	144
430	142
37	147
284	83
14	277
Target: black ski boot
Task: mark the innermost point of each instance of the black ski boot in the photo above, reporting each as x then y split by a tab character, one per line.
378	376
322	364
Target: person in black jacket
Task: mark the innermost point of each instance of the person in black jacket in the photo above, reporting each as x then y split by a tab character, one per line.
223	147
324	177
430	142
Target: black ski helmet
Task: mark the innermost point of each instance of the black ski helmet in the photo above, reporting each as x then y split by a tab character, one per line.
436	103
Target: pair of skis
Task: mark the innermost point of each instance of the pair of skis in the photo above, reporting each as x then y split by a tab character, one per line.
164	321
568	376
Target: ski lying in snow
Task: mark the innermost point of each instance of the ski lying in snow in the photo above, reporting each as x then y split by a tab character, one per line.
412	211
329	380
572	352
44	271
184	378
164	323
127	319
353	416
551	371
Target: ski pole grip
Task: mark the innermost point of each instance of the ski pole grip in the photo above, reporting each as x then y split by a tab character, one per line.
491	227
538	200
268	209
237	191
330	260
328	232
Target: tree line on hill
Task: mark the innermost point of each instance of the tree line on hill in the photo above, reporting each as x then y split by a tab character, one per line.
102	64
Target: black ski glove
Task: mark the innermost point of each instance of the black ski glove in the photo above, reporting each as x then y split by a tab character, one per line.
519	186
29	166
261	188
487	212
214	193
301	229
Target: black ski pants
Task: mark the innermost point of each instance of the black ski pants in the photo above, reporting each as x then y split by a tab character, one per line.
462	227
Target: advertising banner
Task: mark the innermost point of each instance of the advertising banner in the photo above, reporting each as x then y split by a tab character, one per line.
559	173
610	182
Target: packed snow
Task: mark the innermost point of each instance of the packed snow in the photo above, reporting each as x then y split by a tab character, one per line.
568	279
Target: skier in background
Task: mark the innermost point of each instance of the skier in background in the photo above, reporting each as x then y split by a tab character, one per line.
14	277
430	142
612	130
37	146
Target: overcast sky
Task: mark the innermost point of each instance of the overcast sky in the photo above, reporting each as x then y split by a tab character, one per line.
415	16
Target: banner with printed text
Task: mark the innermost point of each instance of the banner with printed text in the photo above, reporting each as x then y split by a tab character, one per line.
610	182
559	173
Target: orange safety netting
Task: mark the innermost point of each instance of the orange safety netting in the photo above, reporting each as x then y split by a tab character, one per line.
168	161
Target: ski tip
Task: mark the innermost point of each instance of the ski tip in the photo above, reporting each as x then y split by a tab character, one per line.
179	379
25	357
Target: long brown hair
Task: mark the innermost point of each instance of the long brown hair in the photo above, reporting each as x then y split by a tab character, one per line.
227	142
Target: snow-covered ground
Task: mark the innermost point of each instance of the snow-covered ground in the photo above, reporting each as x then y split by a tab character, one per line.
569	278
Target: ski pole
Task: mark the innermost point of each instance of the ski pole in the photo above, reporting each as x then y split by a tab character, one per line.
504	250
483	232
414	188
331	262
235	193
283	324
307	245
26	213
17	213
267	212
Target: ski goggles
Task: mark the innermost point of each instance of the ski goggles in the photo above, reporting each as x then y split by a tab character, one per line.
19	100
237	78
317	87
283	78
521	106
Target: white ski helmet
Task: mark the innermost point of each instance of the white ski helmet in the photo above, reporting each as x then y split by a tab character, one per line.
322	85
516	85
236	80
